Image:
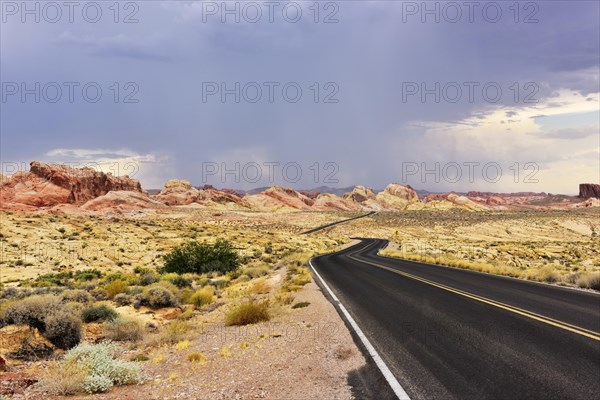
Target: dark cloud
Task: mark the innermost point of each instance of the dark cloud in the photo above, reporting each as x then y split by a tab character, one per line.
368	54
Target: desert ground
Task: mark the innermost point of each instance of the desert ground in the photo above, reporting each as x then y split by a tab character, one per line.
90	308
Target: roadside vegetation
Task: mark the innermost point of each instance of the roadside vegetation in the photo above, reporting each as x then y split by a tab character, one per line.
82	323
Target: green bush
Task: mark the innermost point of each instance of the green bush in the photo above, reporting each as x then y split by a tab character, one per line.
181	281
197	257
98	313
88	274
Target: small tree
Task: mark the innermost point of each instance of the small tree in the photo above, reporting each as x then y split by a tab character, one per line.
197	257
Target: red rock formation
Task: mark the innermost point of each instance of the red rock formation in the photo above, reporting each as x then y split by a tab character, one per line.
309	194
180	192
587	190
277	198
121	200
51	184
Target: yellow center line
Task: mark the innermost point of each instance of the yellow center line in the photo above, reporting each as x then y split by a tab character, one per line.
550	321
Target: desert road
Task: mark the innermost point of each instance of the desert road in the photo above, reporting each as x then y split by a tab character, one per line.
446	333
338	222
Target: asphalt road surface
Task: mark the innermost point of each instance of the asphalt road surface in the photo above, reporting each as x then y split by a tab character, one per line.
447	333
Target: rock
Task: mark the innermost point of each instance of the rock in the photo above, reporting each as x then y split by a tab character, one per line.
588	190
452	200
397	196
360	194
331	202
310	194
277	198
121	200
591	202
3	366
177	192
12	383
170	314
51	184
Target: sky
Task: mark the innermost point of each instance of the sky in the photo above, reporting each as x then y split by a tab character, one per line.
485	96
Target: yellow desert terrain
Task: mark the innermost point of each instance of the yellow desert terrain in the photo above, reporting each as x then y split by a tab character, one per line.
197	293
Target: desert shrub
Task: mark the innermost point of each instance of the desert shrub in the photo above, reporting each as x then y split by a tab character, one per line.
31	311
202	297
248	313
122	299
148	278
181	281
284	298
589	281
158	297
63	329
101	312
175	332
545	274
87	274
186	315
53	279
99	294
46	314
115	287
196	357
9	293
256	272
103	369
197	257
97	384
125	329
63	379
77	295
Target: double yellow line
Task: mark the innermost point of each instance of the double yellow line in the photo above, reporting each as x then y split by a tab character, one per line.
547	320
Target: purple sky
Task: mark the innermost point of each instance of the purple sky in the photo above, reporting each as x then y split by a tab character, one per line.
363	117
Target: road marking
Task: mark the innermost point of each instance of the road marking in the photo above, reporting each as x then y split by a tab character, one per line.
387	374
547	320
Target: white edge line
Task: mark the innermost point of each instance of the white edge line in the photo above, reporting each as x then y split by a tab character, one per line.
387	374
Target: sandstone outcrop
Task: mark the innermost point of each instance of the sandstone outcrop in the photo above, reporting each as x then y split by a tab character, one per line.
397	196
121	200
278	198
47	185
589	190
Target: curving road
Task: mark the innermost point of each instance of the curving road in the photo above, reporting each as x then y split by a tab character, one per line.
448	333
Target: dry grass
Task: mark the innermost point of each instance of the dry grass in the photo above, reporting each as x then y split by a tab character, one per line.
248	313
63	379
202	297
589	281
261	287
125	329
197	357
